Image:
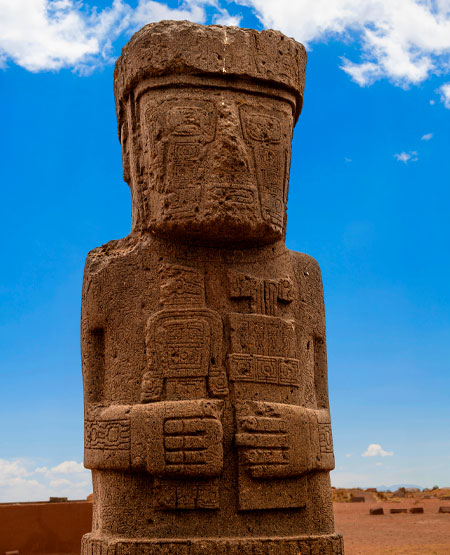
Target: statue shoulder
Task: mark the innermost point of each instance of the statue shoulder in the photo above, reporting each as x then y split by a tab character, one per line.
306	266
114	252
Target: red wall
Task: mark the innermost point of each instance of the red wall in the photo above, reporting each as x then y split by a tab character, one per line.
44	528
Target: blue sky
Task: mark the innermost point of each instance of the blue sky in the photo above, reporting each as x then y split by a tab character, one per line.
369	198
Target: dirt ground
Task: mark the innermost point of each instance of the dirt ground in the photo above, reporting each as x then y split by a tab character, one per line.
402	534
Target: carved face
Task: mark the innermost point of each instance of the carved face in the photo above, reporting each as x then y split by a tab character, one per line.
213	165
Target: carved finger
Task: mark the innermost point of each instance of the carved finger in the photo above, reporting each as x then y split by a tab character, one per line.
266	456
189	470
270	471
194	426
195	457
261	440
174	442
262	424
195	442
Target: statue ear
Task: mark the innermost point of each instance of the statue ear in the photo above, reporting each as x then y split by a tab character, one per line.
125	152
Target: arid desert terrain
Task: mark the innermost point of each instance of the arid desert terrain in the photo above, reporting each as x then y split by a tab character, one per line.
426	533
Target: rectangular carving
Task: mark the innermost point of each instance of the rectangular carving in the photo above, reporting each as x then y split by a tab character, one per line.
262	335
263	369
184	495
183	346
181	286
152	548
264	294
325	438
107	434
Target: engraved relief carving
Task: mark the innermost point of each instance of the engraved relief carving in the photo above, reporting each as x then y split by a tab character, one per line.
183	130
263	294
180	438
262	350
180	495
266	134
184	343
111	434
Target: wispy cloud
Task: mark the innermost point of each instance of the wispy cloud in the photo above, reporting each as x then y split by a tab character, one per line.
404	41
445	94
427	137
406	157
22	480
375	450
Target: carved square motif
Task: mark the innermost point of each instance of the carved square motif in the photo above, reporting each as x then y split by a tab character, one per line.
241	367
289	371
186	151
183	347
266	369
191	119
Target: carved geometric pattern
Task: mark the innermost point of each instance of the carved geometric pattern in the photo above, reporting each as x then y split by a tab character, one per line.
182	346
329	544
264	369
181	286
263	132
264	294
183	495
325	438
262	335
186	343
107	434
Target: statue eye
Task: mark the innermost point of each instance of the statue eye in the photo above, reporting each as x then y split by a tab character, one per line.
260	127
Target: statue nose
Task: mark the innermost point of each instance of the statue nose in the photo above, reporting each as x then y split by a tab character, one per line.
231	155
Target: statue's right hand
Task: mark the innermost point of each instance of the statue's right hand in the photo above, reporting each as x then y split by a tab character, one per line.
178	438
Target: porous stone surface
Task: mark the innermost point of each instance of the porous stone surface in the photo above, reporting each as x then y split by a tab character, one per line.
207	424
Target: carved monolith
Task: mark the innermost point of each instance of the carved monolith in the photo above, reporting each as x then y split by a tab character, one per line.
207	424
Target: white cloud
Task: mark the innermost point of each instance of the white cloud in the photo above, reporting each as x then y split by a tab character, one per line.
445	94
405	40
21	480
432	102
427	137
348	455
43	35
375	450
406	157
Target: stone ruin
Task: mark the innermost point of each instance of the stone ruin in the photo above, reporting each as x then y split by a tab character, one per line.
207	424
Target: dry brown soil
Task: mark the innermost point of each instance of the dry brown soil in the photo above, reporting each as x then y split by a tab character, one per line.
405	534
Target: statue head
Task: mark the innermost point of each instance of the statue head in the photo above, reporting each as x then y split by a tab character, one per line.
205	116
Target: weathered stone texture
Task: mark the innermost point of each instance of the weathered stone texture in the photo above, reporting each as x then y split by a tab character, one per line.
207	424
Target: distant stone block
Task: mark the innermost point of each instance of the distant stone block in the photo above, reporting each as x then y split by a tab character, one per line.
416	510
357	499
377	511
444	509
396	511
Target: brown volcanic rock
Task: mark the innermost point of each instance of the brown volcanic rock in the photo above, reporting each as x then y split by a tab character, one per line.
207	424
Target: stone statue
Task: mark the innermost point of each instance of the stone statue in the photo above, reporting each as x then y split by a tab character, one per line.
207	426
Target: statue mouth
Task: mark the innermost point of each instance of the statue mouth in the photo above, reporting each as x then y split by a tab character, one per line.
234	193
